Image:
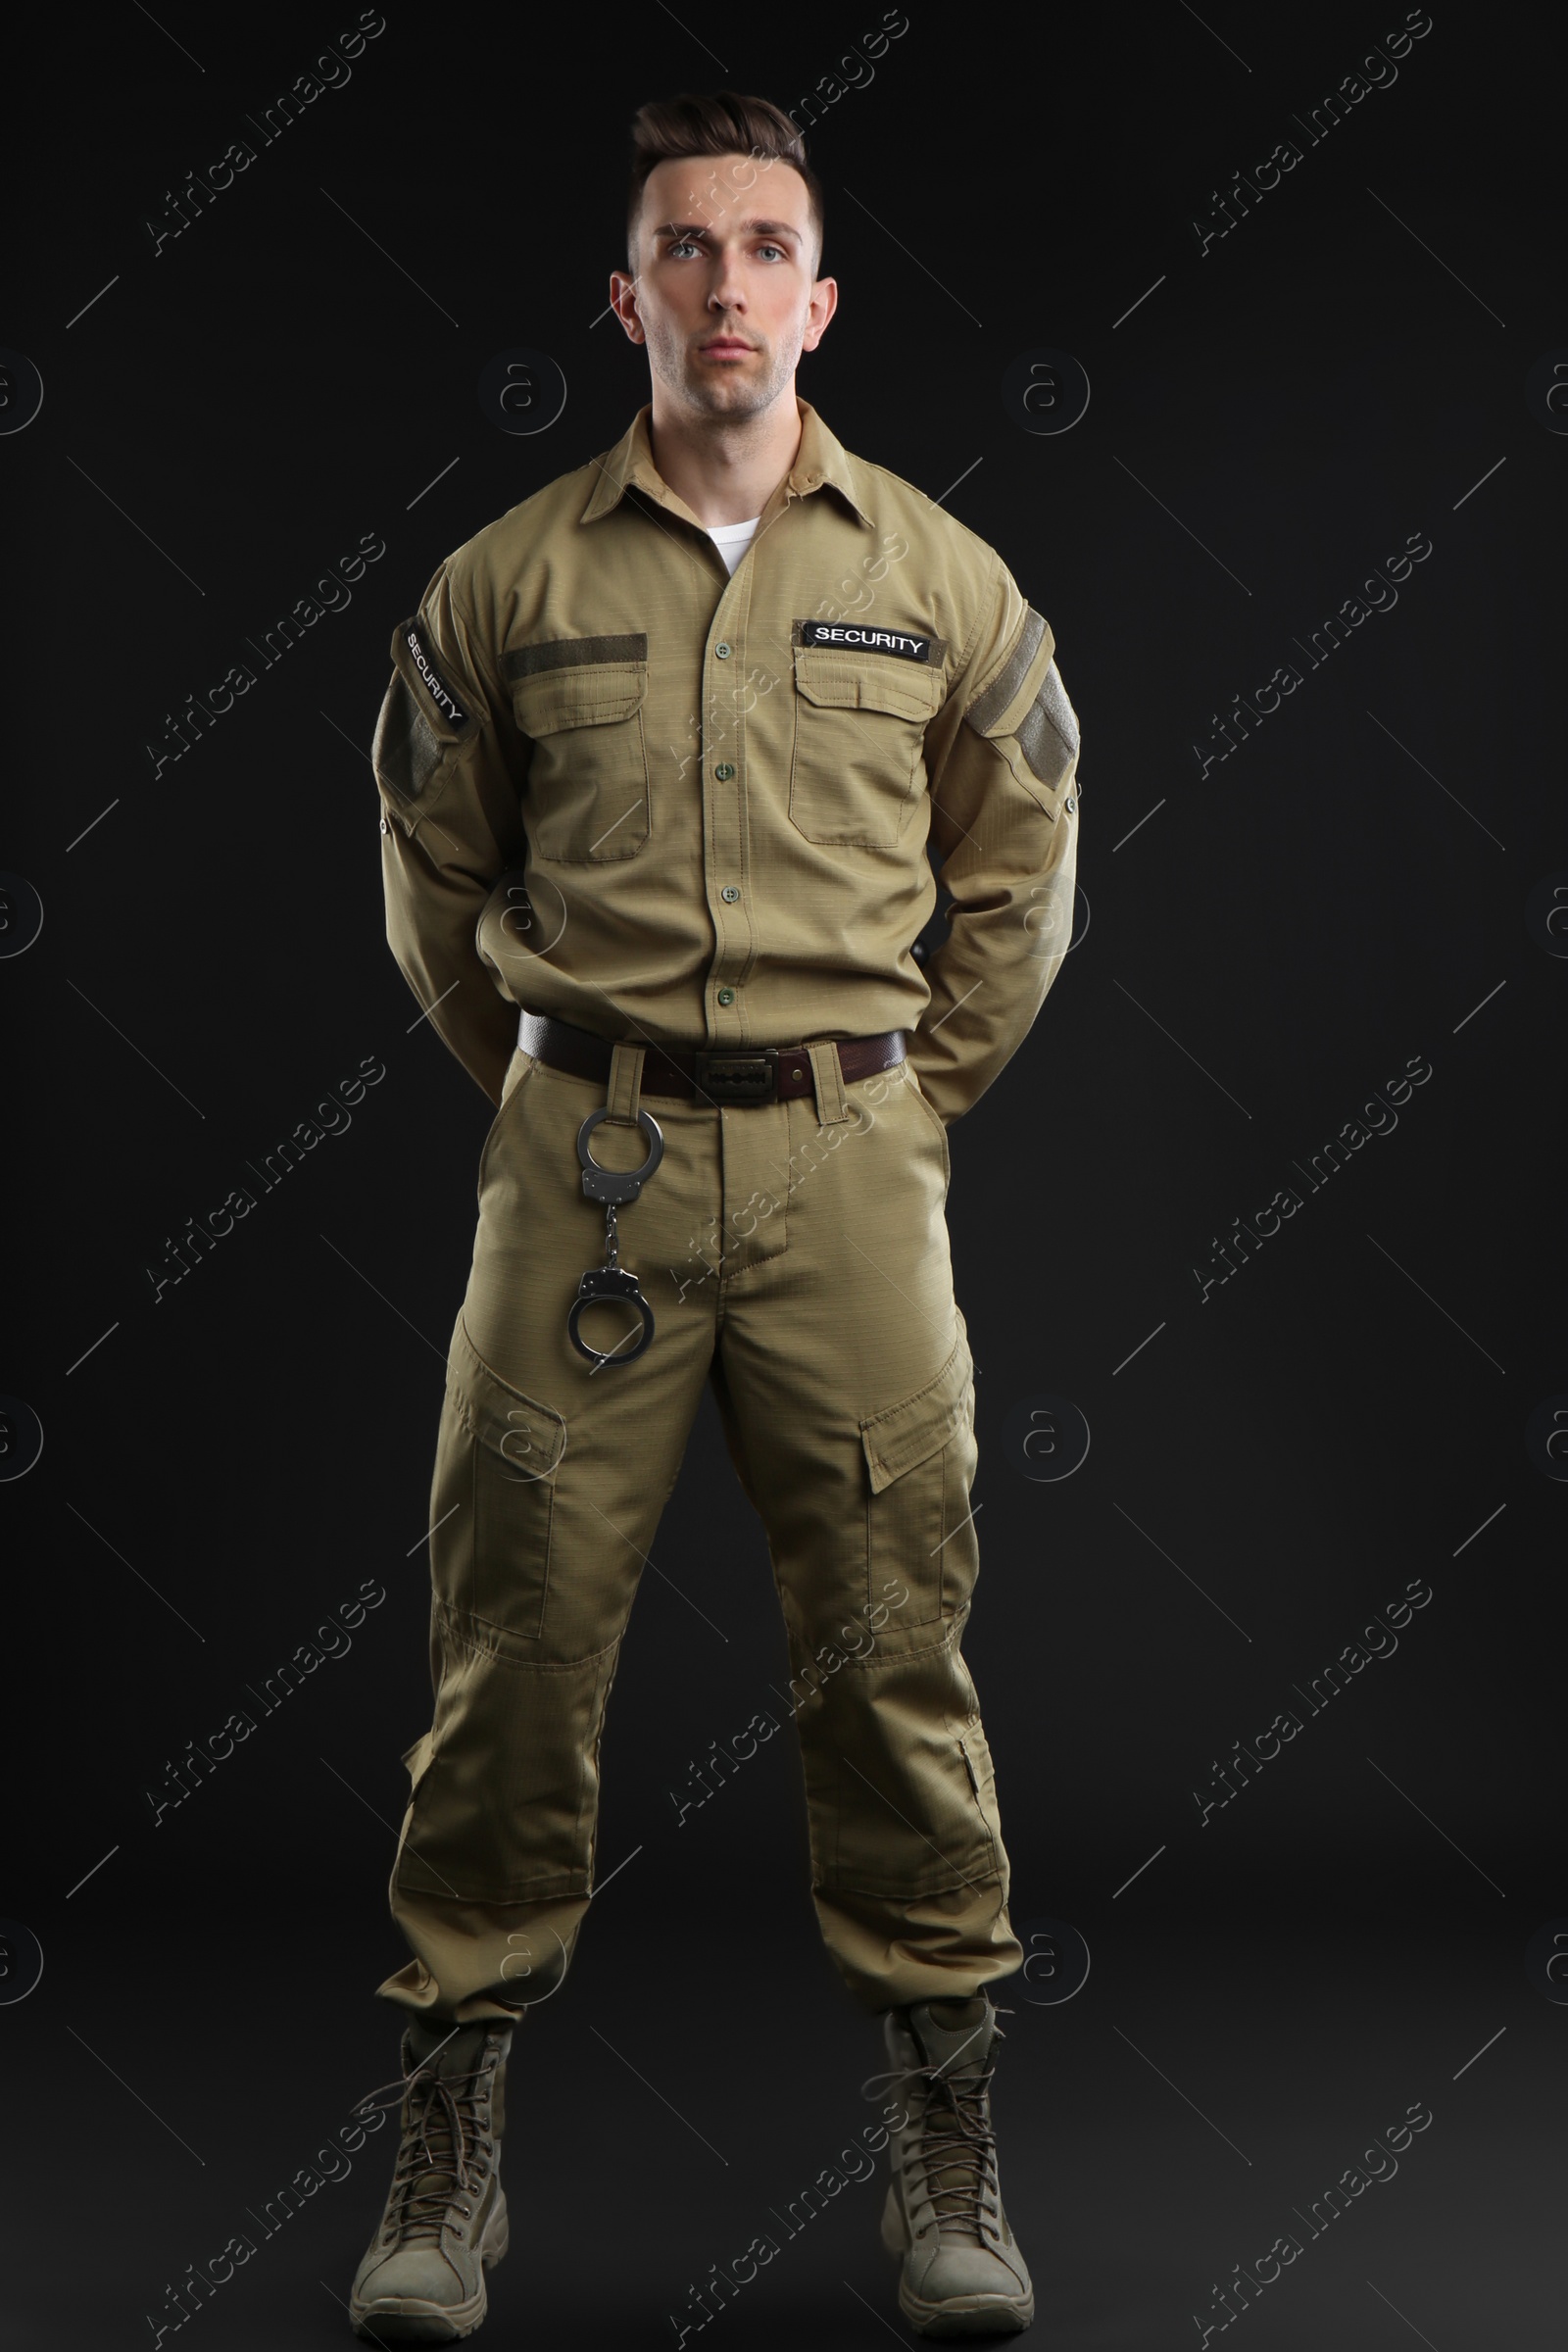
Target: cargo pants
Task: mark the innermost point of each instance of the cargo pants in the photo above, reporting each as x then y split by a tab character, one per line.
795	1254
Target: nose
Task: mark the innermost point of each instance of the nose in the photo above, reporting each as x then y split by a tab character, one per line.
725	293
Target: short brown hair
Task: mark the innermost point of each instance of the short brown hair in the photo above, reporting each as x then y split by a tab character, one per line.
713	122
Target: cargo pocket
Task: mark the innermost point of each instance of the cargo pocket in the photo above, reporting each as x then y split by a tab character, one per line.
492	1504
919	1532
579	701
860	744
428	716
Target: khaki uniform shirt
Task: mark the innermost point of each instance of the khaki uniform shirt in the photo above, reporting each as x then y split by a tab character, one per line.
621	787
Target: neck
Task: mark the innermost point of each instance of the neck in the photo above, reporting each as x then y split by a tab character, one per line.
724	468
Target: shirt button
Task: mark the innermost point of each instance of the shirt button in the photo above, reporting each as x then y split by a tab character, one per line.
384	824
730	893
723	772
721	652
726	996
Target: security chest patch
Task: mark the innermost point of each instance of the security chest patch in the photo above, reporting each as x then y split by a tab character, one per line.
435	685
851	637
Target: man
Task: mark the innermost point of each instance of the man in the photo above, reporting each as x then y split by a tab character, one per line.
659	764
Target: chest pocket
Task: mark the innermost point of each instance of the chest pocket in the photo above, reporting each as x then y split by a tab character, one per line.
860	744
579	701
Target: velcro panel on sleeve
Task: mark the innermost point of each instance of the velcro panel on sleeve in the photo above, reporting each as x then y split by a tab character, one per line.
1025	712
996	710
1047	732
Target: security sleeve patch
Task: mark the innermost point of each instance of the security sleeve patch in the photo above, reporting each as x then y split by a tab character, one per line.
423	721
435	685
859	637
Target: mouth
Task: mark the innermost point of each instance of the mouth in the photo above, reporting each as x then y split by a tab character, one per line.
726	347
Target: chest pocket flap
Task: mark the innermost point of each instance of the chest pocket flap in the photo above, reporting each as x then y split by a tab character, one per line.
836	681
553	699
579	700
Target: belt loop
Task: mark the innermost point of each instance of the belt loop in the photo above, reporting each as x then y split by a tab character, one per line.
832	1106
623	1088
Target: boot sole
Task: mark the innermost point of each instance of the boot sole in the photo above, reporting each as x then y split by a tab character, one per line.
968	2315
977	2315
411	2320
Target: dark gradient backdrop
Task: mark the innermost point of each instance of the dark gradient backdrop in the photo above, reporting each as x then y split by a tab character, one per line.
1291	1424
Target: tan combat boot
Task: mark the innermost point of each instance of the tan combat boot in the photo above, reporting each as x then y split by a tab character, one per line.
445	2225
962	2273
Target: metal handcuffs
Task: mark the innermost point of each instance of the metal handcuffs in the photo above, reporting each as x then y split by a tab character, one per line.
615	1187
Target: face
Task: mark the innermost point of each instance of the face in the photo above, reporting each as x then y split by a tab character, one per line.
726	298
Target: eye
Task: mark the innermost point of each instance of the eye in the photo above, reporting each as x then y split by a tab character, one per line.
778	249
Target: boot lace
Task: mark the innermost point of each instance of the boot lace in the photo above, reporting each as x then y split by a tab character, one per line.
954	2148
444	2155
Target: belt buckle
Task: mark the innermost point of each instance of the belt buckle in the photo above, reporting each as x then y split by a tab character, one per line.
748	1076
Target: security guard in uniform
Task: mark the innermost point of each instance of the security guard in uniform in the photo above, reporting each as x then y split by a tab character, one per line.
655	834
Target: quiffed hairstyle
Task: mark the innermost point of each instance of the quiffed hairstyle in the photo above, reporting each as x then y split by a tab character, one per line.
713	122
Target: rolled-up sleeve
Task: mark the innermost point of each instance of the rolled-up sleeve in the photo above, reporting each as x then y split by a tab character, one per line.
449	766
1001	765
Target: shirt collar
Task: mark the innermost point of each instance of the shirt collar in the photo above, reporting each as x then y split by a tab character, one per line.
821	460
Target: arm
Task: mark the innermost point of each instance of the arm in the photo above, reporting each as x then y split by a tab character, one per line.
449	765
1003	762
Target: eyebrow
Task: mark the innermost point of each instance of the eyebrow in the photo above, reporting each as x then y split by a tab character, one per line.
677	230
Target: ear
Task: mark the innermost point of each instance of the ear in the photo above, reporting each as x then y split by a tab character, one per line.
824	302
623	302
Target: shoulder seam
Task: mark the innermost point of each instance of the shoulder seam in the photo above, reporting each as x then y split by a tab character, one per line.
470	623
887	474
996	566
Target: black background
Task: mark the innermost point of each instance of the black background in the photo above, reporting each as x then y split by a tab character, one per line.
1346	892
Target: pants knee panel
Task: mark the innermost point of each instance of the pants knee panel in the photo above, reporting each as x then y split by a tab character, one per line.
503	1802
901	1790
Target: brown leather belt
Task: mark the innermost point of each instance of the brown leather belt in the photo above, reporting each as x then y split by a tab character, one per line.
712	1074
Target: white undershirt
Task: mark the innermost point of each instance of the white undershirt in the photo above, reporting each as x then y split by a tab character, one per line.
732	539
